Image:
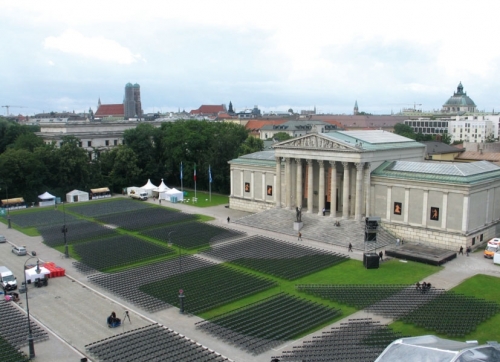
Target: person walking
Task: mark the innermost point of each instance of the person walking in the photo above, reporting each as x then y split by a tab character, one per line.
228	219
468	250
381	255
349	248
299	236
324	211
461	250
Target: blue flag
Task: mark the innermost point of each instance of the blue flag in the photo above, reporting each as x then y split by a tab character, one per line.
209	174
181	170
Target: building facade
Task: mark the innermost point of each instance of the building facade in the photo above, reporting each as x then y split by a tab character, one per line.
132	101
459	102
355	174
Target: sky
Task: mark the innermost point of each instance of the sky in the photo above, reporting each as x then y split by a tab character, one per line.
386	55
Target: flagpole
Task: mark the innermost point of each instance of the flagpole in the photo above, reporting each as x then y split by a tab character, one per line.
210	182
195	182
182	187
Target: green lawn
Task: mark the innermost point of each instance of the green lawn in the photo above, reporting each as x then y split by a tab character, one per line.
204	199
479	286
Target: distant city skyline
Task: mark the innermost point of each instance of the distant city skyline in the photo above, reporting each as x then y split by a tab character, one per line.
386	55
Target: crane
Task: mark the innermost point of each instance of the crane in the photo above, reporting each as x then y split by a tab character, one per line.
9	106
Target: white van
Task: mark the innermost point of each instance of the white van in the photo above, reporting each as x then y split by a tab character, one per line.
140	195
7	279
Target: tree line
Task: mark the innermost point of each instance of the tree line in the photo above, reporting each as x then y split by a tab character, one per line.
30	167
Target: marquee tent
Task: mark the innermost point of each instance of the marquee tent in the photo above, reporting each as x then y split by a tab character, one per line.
32	275
46	199
173	194
160	190
100	193
149	187
77	195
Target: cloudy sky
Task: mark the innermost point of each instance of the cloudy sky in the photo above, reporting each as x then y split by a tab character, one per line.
387	55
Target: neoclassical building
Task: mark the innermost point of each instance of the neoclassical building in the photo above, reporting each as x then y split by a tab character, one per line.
353	174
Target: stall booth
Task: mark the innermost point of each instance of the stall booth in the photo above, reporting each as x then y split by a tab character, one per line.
13	204
100	193
77	196
33	274
160	191
174	195
46	199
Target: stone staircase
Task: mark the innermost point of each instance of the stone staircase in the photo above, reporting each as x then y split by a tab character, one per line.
319	228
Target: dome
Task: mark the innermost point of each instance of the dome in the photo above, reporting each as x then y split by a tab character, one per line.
459	99
136	85
128	85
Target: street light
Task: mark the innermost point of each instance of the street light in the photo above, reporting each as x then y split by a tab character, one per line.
30	333
181	292
64	230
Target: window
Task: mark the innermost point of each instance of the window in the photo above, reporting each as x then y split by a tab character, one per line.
481	237
115	142
107	142
474	240
89	143
80	144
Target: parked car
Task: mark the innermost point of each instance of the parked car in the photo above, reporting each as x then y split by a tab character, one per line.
19	250
3	239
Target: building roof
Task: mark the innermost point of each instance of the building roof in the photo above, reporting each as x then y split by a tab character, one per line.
454	172
254	125
480	156
362	121
372	140
106	110
296	125
209	109
439	148
266	158
459	98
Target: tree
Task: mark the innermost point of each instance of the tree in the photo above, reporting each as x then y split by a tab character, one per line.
142	141
446	138
251	145
27	141
281	136
404	130
125	171
290	110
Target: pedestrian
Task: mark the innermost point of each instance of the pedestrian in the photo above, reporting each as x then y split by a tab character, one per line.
461	251
402	241
299	236
159	200
381	255
324	211
349	248
228	219
398	241
468	250
418	288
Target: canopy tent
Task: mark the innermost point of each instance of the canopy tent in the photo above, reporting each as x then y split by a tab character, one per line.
46	199
173	195
149	187
13	204
76	196
32	275
161	189
100	193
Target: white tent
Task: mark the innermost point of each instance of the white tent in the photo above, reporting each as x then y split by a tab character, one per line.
174	193
160	190
46	199
77	195
149	187
31	274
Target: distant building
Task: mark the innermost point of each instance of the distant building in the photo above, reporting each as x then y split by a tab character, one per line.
356	109
304	112
296	128
209	110
132	101
459	102
472	131
109	111
428	126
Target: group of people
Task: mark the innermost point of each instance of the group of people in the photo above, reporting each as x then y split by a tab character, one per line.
422	287
468	250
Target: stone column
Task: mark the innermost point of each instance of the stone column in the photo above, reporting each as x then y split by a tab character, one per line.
299	183
444	210
321	189
310	200
389	203
277	184
288	182
345	191
352	191
242	175
252	185
359	188
232	182
333	187
367	189
406	206
425	202
465	215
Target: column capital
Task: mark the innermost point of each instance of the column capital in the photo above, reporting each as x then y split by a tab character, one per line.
359	165
298	160
333	164
309	161
321	163
368	165
253	171
278	159
345	164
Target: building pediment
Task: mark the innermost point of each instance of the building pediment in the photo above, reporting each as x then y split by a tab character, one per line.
316	141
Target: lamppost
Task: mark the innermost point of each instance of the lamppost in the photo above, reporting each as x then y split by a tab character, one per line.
64	230
181	292
30	333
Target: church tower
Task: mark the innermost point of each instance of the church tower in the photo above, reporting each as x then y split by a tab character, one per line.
356	109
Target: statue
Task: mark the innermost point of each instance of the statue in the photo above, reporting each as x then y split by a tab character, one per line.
298	213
